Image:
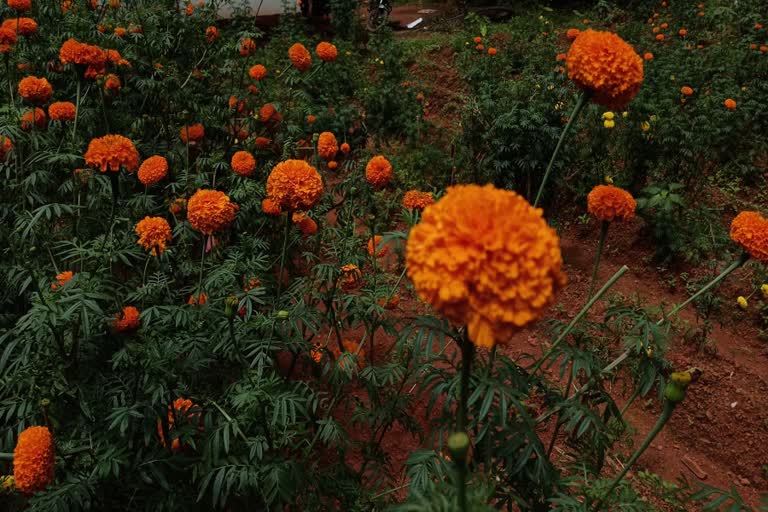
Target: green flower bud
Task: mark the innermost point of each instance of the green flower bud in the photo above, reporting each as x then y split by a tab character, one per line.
678	383
282	314
458	445
230	306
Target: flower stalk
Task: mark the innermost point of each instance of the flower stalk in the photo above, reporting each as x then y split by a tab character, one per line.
600	242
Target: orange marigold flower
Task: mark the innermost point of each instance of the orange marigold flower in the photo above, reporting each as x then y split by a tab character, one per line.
257	72
750	230
6	146
300	57
21	26
111	152
492	51
210	211
34	460
306	224
648	56
609	203
295	185
390	303
659	37
686	91
682	32
311	119
262	143
154	234
20	5
243	163
192	133
326	51
178	206
267	113
126	320
378	172
120	31
62	279
75	52
352	353
607	67
190	9
345	148
62	111
7	40
480	48
417	200
247	46
332	165
211	34
730	104
35	90
182	412
152	170
572	33
327	147
350	277
35	117
375	243
477	39
270	207
485	258
112	83
764	48
197	299
251	283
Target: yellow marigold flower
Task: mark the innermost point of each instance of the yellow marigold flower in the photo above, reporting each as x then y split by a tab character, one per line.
326	51
645	126
111	152
764	290
606	66
154	233
294	185
378	172
417	200
327	147
742	302
34	460
210	211
243	163
608	115
300	57
750	230
608	123
153	170
485	258
609	203
62	279
7	484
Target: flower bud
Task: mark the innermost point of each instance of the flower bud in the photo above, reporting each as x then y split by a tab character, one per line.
458	445
678	383
282	314
230	306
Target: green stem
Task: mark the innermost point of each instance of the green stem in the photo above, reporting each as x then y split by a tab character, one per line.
559	422
467	353
77	110
575	114
6	456
578	317
200	279
666	414
600	242
627	405
733	266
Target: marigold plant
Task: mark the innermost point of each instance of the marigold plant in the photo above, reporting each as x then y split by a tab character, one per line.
62	279
34	460
183	411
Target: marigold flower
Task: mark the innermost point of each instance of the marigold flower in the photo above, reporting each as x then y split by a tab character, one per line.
34	460
153	170
20	5
262	143
609	124
270	207
606	66
210	211
390	303
326	51
294	185
120	31
257	72
21	26
572	33
485	258
126	320
327	147
477	39
62	279
300	57
268	113
742	302
35	90
154	234
247	46
211	34
609	203
659	37
197	299
686	91
378	172
7	39
62	111
375	243
332	165
351	350
306	224
75	52
648	56
34	117
243	163
311	119
350	277
111	152
112	82
183	411
750	230
190	9
682	32
480	48
764	290
345	148
492	51
764	48
417	200
6	146
192	133
730	104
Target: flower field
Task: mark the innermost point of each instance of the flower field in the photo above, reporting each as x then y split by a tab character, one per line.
511	264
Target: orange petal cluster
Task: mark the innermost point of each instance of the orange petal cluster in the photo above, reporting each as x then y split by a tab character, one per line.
270	207
21	26
417	200
35	90
34	460
327	146
750	230
7	39
36	117
350	278
126	320
62	279
326	51
374	243
183	411
243	163
197	299
153	170
210	211
306	224
485	258
300	57
192	133
350	349
62	111
211	34
378	172
257	72
604	65
294	185
6	146
247	46
111	152
154	234
20	5
609	203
